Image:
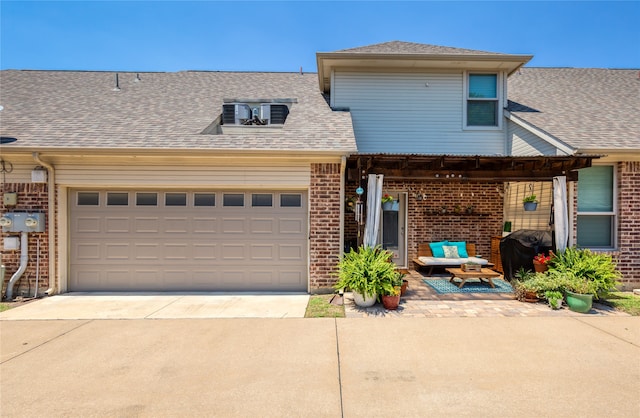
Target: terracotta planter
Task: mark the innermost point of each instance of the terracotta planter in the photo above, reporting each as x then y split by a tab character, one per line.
539	267
391	302
531	296
403	289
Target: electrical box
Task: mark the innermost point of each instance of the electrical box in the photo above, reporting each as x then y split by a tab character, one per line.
22	222
10	199
38	175
11	243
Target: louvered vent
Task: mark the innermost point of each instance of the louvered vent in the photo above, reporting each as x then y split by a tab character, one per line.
235	113
279	113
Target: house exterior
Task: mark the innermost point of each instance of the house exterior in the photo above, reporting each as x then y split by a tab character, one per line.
244	181
151	184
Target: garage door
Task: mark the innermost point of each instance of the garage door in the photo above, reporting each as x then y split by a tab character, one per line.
149	240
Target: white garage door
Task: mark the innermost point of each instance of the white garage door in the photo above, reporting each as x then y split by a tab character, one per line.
147	240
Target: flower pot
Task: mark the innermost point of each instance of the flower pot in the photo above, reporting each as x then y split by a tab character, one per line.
539	267
578	302
390	302
364	302
403	289
530	206
393	206
555	303
531	296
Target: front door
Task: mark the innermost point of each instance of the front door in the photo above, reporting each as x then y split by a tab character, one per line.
393	230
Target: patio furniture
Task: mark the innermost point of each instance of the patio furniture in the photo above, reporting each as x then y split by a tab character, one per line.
485	275
425	258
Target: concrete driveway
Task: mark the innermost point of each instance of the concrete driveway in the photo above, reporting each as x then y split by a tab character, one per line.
409	367
95	305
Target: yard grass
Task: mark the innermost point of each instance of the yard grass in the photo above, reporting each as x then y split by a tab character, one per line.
4	307
624	301
320	307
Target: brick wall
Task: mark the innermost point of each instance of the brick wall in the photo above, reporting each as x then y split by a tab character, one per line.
324	212
426	223
32	197
628	255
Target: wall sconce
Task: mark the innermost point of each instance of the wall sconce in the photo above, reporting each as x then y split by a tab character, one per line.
38	175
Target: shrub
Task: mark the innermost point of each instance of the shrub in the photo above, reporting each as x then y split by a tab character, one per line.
580	265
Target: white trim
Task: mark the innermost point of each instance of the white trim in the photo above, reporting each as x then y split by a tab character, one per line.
540	133
500	92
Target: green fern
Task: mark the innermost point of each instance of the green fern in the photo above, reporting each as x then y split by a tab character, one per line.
368	271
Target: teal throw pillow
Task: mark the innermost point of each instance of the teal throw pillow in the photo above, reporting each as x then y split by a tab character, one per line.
436	248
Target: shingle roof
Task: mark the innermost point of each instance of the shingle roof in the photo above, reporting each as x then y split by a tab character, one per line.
401	47
71	109
587	108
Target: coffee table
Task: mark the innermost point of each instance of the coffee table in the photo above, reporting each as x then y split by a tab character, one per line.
485	275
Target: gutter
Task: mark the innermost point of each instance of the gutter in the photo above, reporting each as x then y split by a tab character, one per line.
51	220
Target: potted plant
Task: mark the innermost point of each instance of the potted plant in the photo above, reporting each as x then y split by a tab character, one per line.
579	293
390	291
530	203
389	203
598	268
554	297
469	209
526	289
364	271
540	263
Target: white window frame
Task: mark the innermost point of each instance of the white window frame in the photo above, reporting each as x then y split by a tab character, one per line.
500	89
613	214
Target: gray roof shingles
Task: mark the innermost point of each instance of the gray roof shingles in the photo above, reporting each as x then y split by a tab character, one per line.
401	47
74	109
587	108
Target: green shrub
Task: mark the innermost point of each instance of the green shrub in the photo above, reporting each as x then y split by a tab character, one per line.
579	265
368	271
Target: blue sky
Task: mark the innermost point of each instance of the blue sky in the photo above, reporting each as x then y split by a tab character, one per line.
285	35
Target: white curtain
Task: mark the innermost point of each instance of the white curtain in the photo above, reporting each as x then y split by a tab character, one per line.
374	210
560	213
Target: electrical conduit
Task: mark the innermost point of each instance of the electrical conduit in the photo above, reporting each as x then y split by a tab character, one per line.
24	259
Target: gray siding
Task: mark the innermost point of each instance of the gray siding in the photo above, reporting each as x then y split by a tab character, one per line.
524	143
398	113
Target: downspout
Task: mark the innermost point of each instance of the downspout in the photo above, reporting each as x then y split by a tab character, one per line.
51	220
24	259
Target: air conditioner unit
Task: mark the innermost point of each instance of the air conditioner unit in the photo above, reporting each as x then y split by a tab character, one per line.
274	113
235	113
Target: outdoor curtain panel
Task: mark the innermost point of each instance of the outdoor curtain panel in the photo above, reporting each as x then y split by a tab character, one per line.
374	210
560	215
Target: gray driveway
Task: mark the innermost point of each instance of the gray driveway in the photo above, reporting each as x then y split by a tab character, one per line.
409	367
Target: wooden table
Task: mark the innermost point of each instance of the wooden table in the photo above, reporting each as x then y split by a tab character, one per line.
484	274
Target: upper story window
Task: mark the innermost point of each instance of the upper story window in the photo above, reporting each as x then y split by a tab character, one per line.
482	100
596	207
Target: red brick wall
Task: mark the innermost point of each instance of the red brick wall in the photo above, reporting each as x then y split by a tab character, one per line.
32	197
324	211
426	224
628	255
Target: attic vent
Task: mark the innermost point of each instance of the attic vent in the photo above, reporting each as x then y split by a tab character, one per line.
277	113
235	113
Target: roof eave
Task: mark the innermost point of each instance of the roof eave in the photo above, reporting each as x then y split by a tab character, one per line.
329	60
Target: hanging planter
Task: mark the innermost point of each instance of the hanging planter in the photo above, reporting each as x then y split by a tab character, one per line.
530	206
390	204
530	202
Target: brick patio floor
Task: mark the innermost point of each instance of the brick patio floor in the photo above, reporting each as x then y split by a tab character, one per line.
421	301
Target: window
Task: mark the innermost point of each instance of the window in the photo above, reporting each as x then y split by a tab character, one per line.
290	200
88	198
146	199
482	100
175	199
117	199
230	199
596	207
261	199
204	199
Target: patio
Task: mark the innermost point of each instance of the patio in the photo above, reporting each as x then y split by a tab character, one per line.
422	301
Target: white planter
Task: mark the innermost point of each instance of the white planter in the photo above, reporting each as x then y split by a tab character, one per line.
363	302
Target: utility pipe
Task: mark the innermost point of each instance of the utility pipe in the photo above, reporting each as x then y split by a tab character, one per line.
24	259
51	221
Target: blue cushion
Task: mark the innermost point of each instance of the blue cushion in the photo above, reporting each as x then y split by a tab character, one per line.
462	248
436	248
